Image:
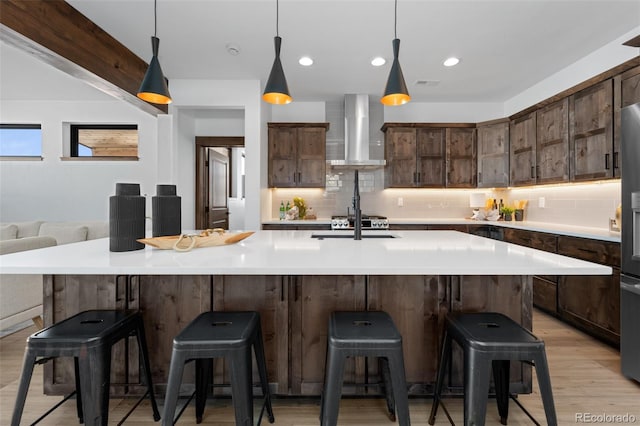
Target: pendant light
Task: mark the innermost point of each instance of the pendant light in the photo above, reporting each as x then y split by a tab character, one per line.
154	86
395	93
277	91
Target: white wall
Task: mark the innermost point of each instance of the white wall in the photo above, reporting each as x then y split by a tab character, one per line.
204	94
298	112
601	60
57	190
444	112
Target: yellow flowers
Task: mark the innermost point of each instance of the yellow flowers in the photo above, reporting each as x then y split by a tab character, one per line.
302	207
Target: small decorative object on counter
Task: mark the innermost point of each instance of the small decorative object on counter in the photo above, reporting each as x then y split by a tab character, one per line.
126	218
206	238
519	215
507	213
166	216
311	214
301	205
282	211
292	213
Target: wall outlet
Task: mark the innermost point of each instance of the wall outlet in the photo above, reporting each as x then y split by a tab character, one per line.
541	202
400	202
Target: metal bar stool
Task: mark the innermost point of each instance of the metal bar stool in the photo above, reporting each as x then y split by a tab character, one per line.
88	338
370	333
490	341
227	335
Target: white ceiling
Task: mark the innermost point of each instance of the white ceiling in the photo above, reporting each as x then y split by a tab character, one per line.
505	46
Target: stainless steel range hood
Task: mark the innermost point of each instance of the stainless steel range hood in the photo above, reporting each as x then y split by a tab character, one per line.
356	136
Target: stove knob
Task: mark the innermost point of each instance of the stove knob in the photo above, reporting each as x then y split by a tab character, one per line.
334	223
375	224
385	223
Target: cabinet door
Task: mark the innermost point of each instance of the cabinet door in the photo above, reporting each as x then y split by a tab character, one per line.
400	153
591	132
311	166
552	146
269	297
417	305
461	158
626	91
493	155
522	142
509	295
312	299
430	156
283	147
545	295
592	303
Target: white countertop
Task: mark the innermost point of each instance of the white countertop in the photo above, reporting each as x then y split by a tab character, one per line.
296	253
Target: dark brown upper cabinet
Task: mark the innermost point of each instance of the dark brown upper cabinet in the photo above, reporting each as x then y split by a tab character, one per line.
591	133
461	157
424	155
552	146
522	150
493	154
297	155
626	91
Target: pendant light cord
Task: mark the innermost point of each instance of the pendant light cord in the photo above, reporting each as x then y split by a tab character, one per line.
155	18
277	18
395	24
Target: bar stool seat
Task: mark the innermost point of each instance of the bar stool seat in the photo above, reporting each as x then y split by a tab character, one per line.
228	335
490	341
88	338
370	333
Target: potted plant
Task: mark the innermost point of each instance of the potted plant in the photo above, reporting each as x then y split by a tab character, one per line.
506	212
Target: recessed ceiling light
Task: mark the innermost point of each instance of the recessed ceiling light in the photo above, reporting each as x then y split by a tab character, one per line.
378	61
449	62
305	61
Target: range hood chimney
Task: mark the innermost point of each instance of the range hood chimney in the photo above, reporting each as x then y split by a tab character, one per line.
356	136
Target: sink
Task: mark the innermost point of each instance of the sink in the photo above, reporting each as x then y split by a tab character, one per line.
350	236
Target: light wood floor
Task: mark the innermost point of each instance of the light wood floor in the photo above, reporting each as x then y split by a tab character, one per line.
584	374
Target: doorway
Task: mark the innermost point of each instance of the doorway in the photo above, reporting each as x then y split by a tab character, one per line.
214	179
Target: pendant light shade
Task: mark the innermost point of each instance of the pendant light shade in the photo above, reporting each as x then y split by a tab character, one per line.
154	87
395	92
277	91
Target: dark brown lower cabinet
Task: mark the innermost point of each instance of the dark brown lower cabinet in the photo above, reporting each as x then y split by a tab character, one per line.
294	314
592	304
545	294
312	299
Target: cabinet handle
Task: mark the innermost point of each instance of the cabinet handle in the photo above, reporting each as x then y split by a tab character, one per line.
606	161
418	178
537	172
479	177
615	160
415	180
299	177
533	172
282	289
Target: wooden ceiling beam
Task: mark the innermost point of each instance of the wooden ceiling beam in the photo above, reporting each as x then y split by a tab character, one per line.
59	35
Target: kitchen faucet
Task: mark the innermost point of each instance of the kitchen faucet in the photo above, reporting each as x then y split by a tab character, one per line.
357	219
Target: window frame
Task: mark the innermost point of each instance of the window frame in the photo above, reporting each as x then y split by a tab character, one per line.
29	126
74	142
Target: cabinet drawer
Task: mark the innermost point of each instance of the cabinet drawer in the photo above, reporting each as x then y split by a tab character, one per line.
545	294
536	240
604	252
452	227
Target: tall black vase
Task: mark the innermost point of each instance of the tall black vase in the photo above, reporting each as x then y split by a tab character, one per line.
166	214
126	218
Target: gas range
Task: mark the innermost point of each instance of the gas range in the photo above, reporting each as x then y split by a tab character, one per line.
368	222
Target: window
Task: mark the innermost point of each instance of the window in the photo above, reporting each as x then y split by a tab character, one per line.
102	140
20	140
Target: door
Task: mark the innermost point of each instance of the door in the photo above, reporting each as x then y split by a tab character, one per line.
218	188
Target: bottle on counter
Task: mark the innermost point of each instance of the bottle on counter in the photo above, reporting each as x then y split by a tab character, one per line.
282	210
501	205
288	207
495	205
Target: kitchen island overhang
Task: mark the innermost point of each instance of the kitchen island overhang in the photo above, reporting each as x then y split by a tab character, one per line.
297	253
295	281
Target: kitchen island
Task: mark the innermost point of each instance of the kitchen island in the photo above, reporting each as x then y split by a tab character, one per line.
295	280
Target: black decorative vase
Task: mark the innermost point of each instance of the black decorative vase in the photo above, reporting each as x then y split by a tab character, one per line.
166	214
126	218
